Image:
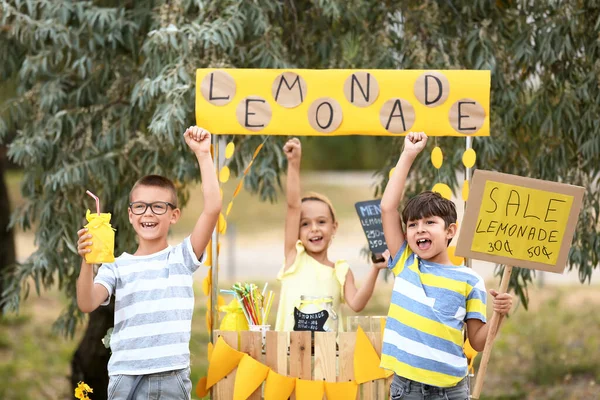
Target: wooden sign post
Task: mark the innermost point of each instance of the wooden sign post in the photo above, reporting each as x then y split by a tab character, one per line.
521	222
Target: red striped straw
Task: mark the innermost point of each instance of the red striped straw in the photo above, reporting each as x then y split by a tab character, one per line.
97	201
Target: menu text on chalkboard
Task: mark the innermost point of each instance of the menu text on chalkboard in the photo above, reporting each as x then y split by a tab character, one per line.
369	213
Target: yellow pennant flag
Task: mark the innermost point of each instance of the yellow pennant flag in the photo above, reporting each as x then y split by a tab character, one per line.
249	376
279	387
341	390
224	359
309	390
201	390
209	350
366	360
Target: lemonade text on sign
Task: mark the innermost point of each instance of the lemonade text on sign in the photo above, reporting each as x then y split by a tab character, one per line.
343	102
521	222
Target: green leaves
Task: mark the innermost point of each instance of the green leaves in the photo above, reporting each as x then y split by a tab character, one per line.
105	91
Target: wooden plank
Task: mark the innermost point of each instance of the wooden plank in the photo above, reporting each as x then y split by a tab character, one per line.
300	355
325	361
347	342
276	349
252	345
223	390
380	389
369	389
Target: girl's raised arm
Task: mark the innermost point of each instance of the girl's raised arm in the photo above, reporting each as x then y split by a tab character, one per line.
293	152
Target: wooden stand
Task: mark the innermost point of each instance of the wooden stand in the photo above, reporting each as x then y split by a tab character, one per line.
494	324
323	363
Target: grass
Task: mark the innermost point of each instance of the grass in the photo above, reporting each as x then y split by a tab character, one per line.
34	360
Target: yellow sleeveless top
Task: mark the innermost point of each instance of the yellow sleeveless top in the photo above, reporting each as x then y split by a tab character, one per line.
308	277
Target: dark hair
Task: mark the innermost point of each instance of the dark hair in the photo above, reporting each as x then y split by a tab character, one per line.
157	181
429	204
323	199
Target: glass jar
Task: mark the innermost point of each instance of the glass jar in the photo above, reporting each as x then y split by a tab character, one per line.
316	304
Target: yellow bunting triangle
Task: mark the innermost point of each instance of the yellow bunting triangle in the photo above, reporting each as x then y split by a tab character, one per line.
248	168
366	360
224	174
470	353
238	188
209	350
260	146
224	359
229	208
437	158
208	261
206	282
201	390
443	189
279	387
341	390
454	259
222	224
249	376
229	149
309	390
391	172
208	320
465	191
469	157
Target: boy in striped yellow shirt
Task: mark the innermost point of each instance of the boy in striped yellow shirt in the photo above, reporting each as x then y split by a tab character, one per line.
432	299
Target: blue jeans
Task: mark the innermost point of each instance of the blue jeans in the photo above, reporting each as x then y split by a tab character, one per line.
406	389
166	385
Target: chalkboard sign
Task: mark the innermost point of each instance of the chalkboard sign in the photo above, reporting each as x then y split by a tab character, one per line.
369	213
310	322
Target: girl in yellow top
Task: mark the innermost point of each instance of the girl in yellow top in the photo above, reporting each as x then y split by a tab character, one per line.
310	225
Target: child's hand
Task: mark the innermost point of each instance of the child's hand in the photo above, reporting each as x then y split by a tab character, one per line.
414	142
383	264
198	139
293	151
83	246
502	302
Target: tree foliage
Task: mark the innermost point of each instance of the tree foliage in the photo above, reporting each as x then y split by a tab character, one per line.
106	88
545	95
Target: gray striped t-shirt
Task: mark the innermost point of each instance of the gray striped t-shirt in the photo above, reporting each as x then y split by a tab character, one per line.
154	303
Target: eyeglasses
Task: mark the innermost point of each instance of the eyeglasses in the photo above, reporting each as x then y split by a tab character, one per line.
158	207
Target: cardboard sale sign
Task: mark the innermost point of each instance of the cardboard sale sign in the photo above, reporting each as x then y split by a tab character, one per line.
519	221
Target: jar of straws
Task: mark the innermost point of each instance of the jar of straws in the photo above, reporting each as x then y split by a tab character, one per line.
255	304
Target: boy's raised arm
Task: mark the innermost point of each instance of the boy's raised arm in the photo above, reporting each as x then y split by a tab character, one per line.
198	140
414	142
293	152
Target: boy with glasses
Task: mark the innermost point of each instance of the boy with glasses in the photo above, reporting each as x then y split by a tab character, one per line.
154	299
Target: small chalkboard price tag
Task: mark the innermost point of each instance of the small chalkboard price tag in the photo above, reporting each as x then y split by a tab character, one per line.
310	322
369	213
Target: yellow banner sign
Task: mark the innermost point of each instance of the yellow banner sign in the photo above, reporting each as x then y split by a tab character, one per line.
343	102
519	221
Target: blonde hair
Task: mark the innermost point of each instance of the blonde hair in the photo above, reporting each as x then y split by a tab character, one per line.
322	198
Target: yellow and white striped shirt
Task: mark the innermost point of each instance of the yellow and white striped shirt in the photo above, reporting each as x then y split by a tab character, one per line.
423	339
